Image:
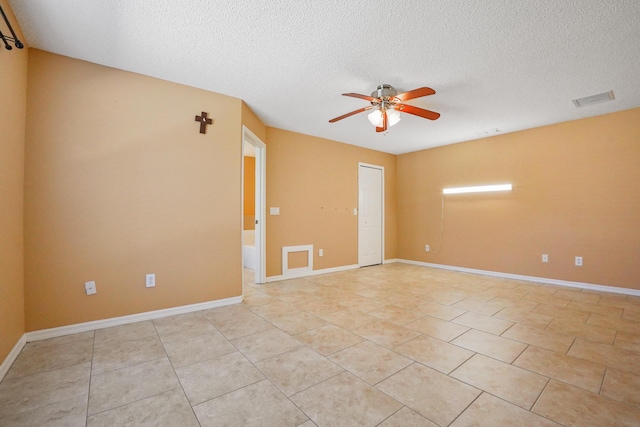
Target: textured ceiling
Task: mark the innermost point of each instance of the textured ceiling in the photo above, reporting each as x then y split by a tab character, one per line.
510	65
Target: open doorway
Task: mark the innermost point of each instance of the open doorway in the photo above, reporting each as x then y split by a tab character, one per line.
253	208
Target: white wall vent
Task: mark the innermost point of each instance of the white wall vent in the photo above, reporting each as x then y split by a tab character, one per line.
594	99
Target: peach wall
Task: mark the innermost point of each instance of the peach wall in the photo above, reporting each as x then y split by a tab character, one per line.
576	192
314	182
119	183
249	186
13	87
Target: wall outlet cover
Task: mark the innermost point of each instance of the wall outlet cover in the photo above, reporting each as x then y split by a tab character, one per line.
90	287
150	280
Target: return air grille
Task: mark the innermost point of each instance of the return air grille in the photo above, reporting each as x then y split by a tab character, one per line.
594	99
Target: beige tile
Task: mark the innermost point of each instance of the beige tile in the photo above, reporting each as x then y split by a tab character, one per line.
632	313
214	377
434	353
321	306
67	413
441	401
266	344
613	323
437	328
490	345
36	391
483	323
274	309
127	385
613	300
239	326
298	370
605	354
447	297
505	381
489	411
257	405
524	317
486	308
362	304
348	319
385	333
628	340
397	315
298	322
400	300
345	400
578	372
167	409
183	326
328	339
621	386
197	349
573	406
546	299
405	417
596	308
440	311
36	359
370	362
562	312
126	353
577	295
132	331
65	339
581	329
553	341
228	312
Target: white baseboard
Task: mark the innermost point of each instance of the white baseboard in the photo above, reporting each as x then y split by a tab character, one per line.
123	320
12	356
390	261
581	285
311	273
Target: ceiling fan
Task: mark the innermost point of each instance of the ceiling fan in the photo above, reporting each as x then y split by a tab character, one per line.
386	104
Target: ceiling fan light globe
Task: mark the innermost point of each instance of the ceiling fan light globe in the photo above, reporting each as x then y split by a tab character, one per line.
375	117
393	116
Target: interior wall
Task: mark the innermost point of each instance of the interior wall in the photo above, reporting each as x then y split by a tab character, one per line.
249	192
119	183
314	182
13	87
576	192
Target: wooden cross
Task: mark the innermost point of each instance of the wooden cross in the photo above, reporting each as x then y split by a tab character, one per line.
204	121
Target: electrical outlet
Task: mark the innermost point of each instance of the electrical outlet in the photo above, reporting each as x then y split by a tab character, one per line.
545	258
320	252
151	280
579	261
427	248
90	287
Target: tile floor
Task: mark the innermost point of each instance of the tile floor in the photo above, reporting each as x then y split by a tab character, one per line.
392	345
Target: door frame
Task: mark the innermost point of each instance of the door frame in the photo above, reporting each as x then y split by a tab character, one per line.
381	168
251	138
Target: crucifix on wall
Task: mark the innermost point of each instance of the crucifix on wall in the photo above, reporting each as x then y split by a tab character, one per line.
204	121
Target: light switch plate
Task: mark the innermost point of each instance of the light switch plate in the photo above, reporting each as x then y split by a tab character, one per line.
274	211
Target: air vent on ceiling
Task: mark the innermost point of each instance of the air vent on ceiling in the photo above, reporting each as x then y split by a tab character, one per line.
594	99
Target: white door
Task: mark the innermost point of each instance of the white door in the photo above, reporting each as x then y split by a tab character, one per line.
370	214
249	138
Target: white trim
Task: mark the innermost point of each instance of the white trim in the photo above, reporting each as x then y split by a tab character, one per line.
261	201
581	285
381	168
286	250
312	273
123	320
12	356
390	261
